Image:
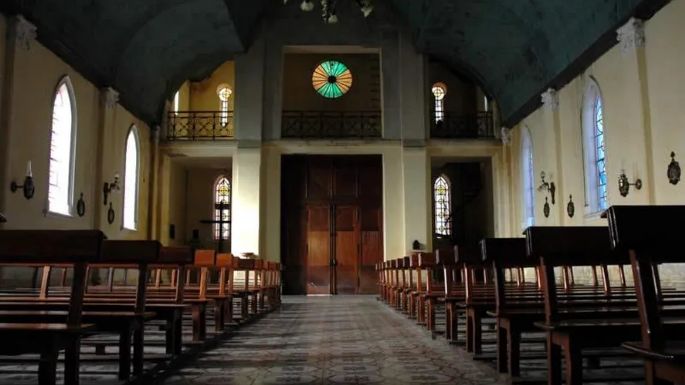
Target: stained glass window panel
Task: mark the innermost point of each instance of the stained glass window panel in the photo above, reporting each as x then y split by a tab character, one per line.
439	93
441	197
131	181
332	79
61	166
222	195
600	154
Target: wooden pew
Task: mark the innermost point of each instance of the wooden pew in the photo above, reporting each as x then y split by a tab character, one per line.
652	236
518	305
479	294
112	310
76	248
593	319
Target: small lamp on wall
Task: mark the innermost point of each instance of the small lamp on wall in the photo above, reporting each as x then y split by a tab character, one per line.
110	188
624	184
548	187
28	187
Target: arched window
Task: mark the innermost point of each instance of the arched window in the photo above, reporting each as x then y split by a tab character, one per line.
442	204
527	177
222	195
62	138
176	101
594	149
131	180
439	91
224	92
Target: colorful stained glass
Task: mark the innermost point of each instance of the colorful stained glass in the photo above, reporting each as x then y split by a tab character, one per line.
600	155
222	194
441	200
332	79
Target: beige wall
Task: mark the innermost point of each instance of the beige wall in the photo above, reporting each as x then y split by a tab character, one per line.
203	96
30	77
300	95
200	202
643	113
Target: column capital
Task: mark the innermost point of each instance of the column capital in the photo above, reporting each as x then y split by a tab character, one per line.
631	35
110	97
505	135
550	99
23	32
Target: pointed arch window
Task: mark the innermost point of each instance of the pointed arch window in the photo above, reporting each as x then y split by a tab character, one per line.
442	206
177	101
439	91
62	139
527	176
224	92
594	149
222	195
131	180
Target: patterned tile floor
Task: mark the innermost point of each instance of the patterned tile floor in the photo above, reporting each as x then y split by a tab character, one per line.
333	340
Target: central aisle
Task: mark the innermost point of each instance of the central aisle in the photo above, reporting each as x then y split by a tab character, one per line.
333	340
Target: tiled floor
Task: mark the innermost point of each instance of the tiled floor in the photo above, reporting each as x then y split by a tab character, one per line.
333	340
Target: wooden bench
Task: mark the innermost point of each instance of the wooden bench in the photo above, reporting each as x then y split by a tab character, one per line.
518	304
652	236
593	319
76	248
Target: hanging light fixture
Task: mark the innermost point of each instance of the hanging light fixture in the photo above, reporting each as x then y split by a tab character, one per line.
328	8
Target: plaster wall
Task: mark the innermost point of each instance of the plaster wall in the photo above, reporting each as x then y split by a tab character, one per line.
200	202
300	95
203	94
98	149
643	114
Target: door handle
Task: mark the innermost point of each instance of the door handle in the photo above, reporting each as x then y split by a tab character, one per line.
333	262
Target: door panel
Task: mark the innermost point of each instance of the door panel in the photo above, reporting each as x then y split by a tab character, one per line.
371	248
318	250
346	249
319	181
331	210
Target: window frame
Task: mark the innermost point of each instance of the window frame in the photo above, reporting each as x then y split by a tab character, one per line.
67	83
215	227
527	178
448	222
132	131
224	105
439	102
594	202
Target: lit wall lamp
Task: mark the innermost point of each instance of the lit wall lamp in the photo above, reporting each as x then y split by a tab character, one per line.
28	187
548	187
624	184
110	188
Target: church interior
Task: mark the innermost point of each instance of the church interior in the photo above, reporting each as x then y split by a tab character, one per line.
342	192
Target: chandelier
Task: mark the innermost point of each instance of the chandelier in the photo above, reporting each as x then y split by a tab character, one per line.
328	8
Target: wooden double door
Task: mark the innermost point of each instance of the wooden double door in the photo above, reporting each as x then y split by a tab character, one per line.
332	224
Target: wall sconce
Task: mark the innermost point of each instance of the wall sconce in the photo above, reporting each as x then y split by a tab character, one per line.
111	187
673	170
624	184
28	187
547	187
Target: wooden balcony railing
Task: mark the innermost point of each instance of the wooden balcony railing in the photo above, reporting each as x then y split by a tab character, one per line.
200	125
456	126
331	124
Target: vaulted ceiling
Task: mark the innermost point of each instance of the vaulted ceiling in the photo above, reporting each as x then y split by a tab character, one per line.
145	48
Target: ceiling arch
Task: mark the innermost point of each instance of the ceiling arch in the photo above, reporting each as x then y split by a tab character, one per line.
146	48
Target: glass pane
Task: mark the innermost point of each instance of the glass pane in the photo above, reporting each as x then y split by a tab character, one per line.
60	152
131	182
441	197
